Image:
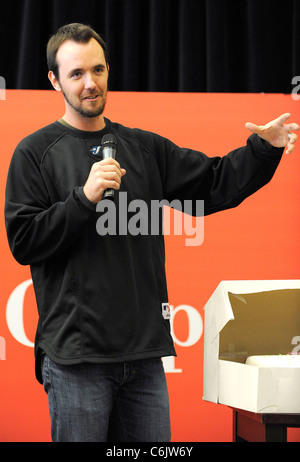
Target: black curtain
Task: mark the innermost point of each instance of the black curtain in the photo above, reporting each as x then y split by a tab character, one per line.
162	45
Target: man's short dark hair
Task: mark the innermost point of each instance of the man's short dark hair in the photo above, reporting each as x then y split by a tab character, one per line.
77	32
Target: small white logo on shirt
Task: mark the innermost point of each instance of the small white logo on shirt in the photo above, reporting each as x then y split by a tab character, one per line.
166	311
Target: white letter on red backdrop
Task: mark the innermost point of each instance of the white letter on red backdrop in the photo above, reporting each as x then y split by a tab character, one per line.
14	313
195	325
195	331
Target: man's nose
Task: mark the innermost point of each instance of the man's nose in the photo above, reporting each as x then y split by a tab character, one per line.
89	82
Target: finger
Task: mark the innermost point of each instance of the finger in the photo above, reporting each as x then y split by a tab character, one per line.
109	161
111	180
290	148
283	118
112	175
291	127
292	138
109	168
280	120
108	165
253	127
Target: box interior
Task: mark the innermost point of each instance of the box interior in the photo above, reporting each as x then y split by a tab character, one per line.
265	323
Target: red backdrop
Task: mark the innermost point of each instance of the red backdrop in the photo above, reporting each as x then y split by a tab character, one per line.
257	240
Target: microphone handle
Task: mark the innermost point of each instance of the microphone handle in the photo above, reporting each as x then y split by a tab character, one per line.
109	194
109	151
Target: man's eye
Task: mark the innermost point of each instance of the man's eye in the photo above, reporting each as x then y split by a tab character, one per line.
76	75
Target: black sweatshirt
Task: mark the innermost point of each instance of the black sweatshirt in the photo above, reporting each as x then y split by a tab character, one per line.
100	297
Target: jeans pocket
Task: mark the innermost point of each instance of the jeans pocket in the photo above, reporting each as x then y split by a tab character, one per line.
45	373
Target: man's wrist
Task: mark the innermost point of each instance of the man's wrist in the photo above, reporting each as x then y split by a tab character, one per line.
266	143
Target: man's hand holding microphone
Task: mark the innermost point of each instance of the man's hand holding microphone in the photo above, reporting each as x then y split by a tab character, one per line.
105	176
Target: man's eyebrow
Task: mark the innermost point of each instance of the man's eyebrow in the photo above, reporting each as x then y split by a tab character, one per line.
73	71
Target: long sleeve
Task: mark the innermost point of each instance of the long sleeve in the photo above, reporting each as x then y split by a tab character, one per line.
221	182
40	226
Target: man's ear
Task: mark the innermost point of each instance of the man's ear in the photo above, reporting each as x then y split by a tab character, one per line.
54	81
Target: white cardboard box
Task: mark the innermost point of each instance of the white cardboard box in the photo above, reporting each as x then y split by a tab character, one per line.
246	318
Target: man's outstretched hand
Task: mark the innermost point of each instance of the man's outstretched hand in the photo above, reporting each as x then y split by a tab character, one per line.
277	132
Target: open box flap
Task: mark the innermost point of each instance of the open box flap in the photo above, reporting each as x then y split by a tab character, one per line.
218	312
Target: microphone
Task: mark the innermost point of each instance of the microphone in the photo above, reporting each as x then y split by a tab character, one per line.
109	149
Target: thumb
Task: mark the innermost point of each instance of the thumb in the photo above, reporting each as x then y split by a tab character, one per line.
253	128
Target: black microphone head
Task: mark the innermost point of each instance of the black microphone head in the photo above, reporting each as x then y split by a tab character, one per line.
108	140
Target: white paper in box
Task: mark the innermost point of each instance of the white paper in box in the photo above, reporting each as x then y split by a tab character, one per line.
245	318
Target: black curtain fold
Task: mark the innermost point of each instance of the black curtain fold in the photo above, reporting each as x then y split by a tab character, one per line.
162	45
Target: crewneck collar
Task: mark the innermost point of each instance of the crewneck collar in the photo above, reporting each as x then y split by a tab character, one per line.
83	133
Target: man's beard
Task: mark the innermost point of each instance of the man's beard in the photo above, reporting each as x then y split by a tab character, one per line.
88	113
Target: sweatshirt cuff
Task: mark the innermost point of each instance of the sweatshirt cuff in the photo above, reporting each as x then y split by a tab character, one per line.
83	199
265	149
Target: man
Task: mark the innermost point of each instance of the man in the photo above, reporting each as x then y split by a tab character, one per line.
102	330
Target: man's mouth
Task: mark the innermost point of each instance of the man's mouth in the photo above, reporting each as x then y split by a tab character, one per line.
91	98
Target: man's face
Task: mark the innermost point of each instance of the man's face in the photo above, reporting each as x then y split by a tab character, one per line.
83	75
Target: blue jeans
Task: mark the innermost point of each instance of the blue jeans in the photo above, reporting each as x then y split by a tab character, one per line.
125	402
